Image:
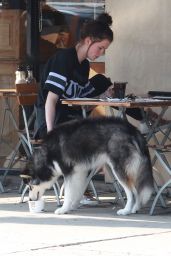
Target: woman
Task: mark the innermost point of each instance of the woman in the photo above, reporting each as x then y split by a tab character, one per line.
66	75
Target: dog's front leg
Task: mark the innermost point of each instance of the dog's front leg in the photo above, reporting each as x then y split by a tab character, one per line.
74	188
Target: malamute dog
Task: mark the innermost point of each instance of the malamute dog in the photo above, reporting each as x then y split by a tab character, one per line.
76	147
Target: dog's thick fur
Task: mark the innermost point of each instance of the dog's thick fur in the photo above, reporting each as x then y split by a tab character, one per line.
76	147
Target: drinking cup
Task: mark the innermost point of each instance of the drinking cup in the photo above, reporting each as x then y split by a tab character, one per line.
119	89
36	206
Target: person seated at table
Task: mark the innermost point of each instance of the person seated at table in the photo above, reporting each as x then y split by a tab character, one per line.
66	75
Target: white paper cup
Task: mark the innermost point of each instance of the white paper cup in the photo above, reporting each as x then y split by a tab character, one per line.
36	206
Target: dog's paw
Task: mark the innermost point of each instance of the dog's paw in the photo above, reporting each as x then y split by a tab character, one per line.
60	211
123	212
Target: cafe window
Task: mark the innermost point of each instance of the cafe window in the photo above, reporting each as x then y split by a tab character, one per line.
60	22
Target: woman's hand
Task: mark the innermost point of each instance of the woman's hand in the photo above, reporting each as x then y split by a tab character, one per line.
108	93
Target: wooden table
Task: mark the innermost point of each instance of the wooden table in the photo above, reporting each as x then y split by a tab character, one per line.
126	103
139	102
7	91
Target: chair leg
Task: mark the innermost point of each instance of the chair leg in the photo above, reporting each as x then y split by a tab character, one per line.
1	187
163	204
61	191
91	184
27	132
116	185
21	187
55	187
23	193
56	190
118	189
163	161
158	195
11	161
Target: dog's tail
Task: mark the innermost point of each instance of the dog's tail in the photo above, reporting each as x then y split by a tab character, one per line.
139	177
144	182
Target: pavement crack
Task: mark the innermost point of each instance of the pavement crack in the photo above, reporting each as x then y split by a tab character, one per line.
109	239
91	241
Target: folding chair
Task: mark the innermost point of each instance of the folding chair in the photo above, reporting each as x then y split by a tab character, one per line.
27	96
161	155
161	150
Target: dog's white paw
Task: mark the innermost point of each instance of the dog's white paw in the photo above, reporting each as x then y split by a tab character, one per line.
123	212
61	210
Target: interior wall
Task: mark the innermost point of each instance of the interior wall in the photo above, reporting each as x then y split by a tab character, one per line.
141	51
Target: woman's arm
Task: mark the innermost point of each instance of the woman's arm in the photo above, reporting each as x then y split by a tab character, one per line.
50	110
108	93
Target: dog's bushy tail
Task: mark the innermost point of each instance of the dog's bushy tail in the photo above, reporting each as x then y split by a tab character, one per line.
145	195
144	181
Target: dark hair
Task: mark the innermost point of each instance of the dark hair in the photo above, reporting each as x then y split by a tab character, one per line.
98	29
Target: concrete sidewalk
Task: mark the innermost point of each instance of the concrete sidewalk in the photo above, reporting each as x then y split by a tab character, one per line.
95	230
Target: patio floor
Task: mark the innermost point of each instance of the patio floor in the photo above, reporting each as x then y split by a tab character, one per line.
90	230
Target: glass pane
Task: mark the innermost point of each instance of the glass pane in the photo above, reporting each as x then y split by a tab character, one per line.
61	21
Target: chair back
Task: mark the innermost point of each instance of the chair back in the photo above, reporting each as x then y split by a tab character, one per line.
27	93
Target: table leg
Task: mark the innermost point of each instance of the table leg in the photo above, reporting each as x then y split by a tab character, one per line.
153	128
84	113
122	113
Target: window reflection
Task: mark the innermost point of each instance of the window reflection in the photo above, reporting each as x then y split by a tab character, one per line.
61	22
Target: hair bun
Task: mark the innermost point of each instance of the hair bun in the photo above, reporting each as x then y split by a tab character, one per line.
105	18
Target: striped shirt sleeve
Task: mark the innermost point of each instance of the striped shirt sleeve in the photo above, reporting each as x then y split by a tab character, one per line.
56	82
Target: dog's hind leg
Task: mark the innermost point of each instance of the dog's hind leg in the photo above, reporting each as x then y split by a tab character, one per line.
74	187
130	200
129	194
137	203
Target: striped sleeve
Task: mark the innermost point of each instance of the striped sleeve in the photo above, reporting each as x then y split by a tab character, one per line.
56	83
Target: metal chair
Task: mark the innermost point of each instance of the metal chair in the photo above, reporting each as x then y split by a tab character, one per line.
160	155
160	145
27	96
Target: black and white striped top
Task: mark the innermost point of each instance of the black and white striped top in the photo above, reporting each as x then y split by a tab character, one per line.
65	76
